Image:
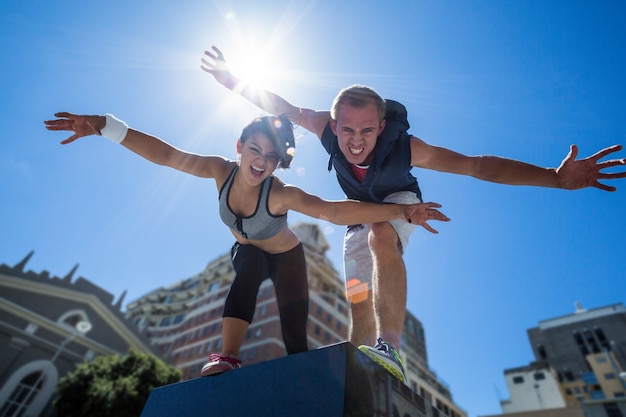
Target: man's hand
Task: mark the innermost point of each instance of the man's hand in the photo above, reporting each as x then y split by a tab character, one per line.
575	174
420	213
80	125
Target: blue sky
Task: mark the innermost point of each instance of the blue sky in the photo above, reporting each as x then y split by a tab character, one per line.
520	79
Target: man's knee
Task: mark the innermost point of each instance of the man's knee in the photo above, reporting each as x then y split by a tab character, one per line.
383	237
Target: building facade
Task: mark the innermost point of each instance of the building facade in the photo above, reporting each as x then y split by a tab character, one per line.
48	325
184	320
580	362
532	387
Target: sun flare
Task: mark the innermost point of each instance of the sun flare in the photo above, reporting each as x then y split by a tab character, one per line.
257	65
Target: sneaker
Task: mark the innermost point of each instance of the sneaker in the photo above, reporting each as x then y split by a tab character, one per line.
386	356
218	364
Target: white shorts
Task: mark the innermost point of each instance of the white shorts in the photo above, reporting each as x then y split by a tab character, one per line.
357	257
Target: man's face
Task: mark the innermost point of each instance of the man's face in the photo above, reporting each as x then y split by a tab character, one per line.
357	130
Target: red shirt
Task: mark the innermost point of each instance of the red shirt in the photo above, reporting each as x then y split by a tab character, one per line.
359	171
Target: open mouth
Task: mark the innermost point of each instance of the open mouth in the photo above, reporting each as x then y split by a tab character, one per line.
256	172
355	151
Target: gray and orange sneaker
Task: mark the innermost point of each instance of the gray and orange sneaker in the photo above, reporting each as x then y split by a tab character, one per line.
386	356
218	364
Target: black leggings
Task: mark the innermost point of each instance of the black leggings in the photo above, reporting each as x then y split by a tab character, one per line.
287	271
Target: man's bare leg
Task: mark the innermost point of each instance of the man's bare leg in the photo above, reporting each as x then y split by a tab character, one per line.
389	283
362	323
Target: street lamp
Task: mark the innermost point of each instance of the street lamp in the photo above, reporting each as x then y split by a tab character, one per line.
81	327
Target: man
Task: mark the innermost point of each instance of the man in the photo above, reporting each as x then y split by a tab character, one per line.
372	153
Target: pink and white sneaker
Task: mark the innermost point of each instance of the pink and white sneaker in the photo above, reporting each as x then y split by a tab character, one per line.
218	364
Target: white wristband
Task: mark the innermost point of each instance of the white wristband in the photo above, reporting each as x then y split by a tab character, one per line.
114	130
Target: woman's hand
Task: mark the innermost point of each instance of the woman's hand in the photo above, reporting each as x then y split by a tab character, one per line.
420	213
80	125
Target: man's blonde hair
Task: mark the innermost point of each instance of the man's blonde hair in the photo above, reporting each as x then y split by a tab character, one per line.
358	96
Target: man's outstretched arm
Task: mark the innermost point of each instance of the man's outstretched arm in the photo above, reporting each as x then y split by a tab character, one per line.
572	174
314	121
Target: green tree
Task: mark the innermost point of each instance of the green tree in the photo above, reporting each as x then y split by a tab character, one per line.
112	385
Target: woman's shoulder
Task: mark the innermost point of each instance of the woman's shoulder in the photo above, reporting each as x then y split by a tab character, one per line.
224	167
282	194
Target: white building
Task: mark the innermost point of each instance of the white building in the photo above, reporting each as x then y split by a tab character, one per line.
533	387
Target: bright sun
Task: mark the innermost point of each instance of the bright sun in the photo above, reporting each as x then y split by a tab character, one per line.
257	57
257	64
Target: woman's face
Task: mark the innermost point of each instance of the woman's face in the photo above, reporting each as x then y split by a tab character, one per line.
258	157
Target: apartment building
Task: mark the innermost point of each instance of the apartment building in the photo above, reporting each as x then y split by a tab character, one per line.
580	362
184	320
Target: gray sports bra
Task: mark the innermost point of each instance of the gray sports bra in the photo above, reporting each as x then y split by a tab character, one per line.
261	224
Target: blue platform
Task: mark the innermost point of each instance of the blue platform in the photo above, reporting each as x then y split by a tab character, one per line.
332	381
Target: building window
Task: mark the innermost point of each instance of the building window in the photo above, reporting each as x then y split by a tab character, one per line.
612	410
581	343
518	379
591	341
602	338
609	375
542	352
539	376
601	359
22	395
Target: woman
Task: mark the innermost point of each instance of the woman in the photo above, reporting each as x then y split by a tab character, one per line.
254	205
